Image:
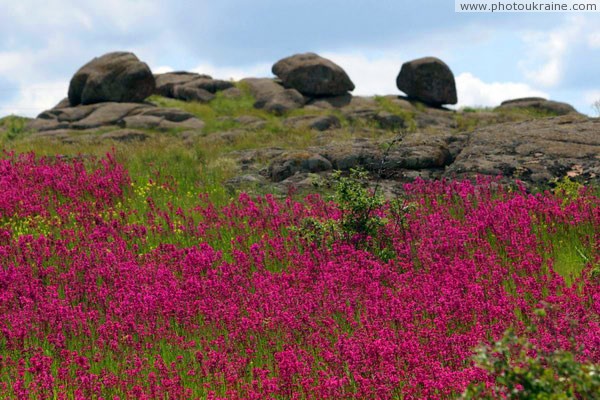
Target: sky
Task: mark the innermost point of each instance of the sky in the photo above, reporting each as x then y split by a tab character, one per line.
494	57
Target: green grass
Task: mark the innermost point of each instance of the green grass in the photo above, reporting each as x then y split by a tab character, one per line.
218	115
13	126
388	105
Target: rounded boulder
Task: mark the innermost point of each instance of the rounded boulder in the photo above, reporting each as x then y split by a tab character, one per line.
429	80
312	75
115	77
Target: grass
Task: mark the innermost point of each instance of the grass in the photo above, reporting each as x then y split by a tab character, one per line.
13	126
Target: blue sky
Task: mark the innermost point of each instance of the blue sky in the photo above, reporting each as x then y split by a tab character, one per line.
493	56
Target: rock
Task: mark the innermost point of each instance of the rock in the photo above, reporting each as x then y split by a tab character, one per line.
232	93
418	151
246	180
227	137
170	114
161	123
414	152
107	114
361	108
290	163
58	134
119	77
540	104
125	135
313	75
389	121
251	122
188	124
70	114
301	182
273	97
167	81
189	86
64	103
533	151
191	93
340	101
41	125
128	115
319	122
437	119
142	122
279	104
428	80
210	85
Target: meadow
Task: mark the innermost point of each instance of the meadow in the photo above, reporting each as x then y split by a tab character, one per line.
142	277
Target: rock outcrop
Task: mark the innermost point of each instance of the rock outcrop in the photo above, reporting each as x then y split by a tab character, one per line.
534	151
344	131
189	86
428	80
128	115
272	96
538	104
312	75
114	77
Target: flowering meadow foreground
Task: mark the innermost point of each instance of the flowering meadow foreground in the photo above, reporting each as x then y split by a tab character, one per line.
117	290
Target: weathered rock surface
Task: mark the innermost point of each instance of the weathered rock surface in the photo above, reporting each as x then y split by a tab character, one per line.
272	96
210	85
414	152
129	115
191	93
389	121
290	163
107	114
113	77
313	75
189	86
167	81
428	80
534	151
232	93
318	123
540	104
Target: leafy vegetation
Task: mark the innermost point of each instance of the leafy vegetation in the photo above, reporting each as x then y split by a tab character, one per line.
14	126
523	371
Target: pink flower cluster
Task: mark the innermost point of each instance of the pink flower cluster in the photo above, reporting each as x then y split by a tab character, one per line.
234	303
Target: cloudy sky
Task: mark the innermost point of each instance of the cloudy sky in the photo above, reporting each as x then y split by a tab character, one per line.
493	56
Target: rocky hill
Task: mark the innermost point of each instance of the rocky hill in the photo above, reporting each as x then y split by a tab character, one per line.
292	131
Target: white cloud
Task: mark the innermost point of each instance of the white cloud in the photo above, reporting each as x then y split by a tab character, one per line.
376	75
116	15
592	98
594	40
472	91
548	52
35	97
235	73
28	84
161	69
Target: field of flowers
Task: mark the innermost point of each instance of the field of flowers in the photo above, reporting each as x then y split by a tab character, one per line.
112	288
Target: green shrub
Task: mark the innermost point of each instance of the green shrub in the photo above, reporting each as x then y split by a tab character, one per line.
13	125
360	221
358	204
567	189
548	376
